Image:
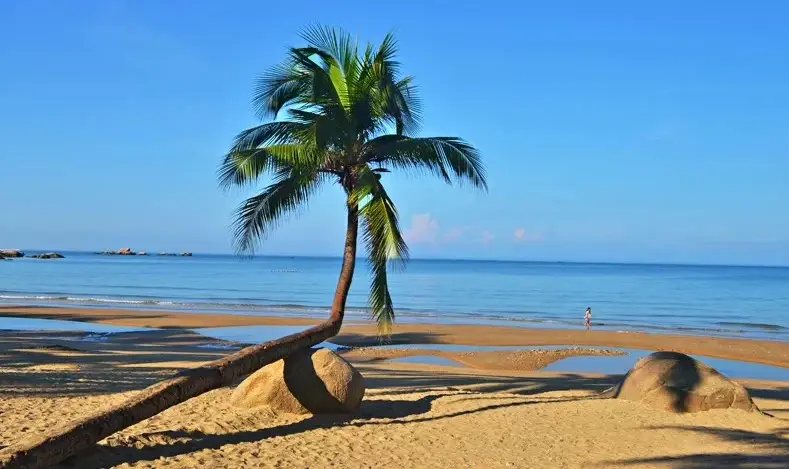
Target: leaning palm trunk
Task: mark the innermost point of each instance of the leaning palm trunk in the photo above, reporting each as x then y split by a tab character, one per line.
50	448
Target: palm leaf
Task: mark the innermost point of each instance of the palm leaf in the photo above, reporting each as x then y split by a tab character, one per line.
451	158
259	214
384	243
243	167
278	87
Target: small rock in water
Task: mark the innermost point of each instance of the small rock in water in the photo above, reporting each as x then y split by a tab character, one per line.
119	252
48	255
11	253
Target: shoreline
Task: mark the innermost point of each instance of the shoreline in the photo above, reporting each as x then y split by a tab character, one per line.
354	334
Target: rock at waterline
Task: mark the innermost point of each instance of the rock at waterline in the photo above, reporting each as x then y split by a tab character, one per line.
48	255
119	252
11	253
676	382
186	254
311	381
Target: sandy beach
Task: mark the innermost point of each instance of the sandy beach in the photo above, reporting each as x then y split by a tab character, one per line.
413	415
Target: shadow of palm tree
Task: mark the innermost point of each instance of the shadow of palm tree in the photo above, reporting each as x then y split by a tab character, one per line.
774	448
170	443
30	361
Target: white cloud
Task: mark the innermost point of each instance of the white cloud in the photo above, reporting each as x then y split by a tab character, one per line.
487	237
423	229
455	233
522	235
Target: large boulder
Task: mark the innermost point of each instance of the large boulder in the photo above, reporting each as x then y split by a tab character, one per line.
11	253
316	381
676	382
48	255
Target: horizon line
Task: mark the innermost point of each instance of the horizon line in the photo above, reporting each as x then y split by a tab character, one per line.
458	259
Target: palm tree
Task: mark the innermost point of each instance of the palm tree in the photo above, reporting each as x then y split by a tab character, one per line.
345	116
338	114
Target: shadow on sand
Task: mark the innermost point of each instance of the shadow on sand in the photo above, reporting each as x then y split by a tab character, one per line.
170	443
774	446
47	363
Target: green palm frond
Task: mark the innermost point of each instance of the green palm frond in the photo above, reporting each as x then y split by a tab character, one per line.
278	87
243	167
384	242
335	43
379	98
262	212
451	158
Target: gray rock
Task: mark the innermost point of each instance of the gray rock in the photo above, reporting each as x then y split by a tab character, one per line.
48	255
11	253
676	382
316	381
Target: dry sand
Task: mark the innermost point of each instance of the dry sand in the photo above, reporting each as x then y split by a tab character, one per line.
413	416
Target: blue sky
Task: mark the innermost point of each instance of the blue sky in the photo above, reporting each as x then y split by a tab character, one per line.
613	131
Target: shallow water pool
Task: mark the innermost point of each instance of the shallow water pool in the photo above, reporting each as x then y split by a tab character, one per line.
426	360
620	364
27	324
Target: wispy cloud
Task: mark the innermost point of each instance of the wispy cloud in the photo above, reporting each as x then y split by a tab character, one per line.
487	237
455	233
423	229
521	235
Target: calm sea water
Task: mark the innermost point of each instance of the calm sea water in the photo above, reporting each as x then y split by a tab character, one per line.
737	301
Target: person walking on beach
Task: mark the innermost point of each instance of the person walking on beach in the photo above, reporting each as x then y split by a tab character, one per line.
588	318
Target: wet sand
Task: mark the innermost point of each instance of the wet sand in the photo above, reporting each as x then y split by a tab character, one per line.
354	334
506	360
413	416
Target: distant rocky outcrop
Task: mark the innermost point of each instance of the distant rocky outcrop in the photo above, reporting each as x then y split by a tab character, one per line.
676	382
130	252
119	252
48	255
11	253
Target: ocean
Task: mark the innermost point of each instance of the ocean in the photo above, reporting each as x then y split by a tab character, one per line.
715	300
